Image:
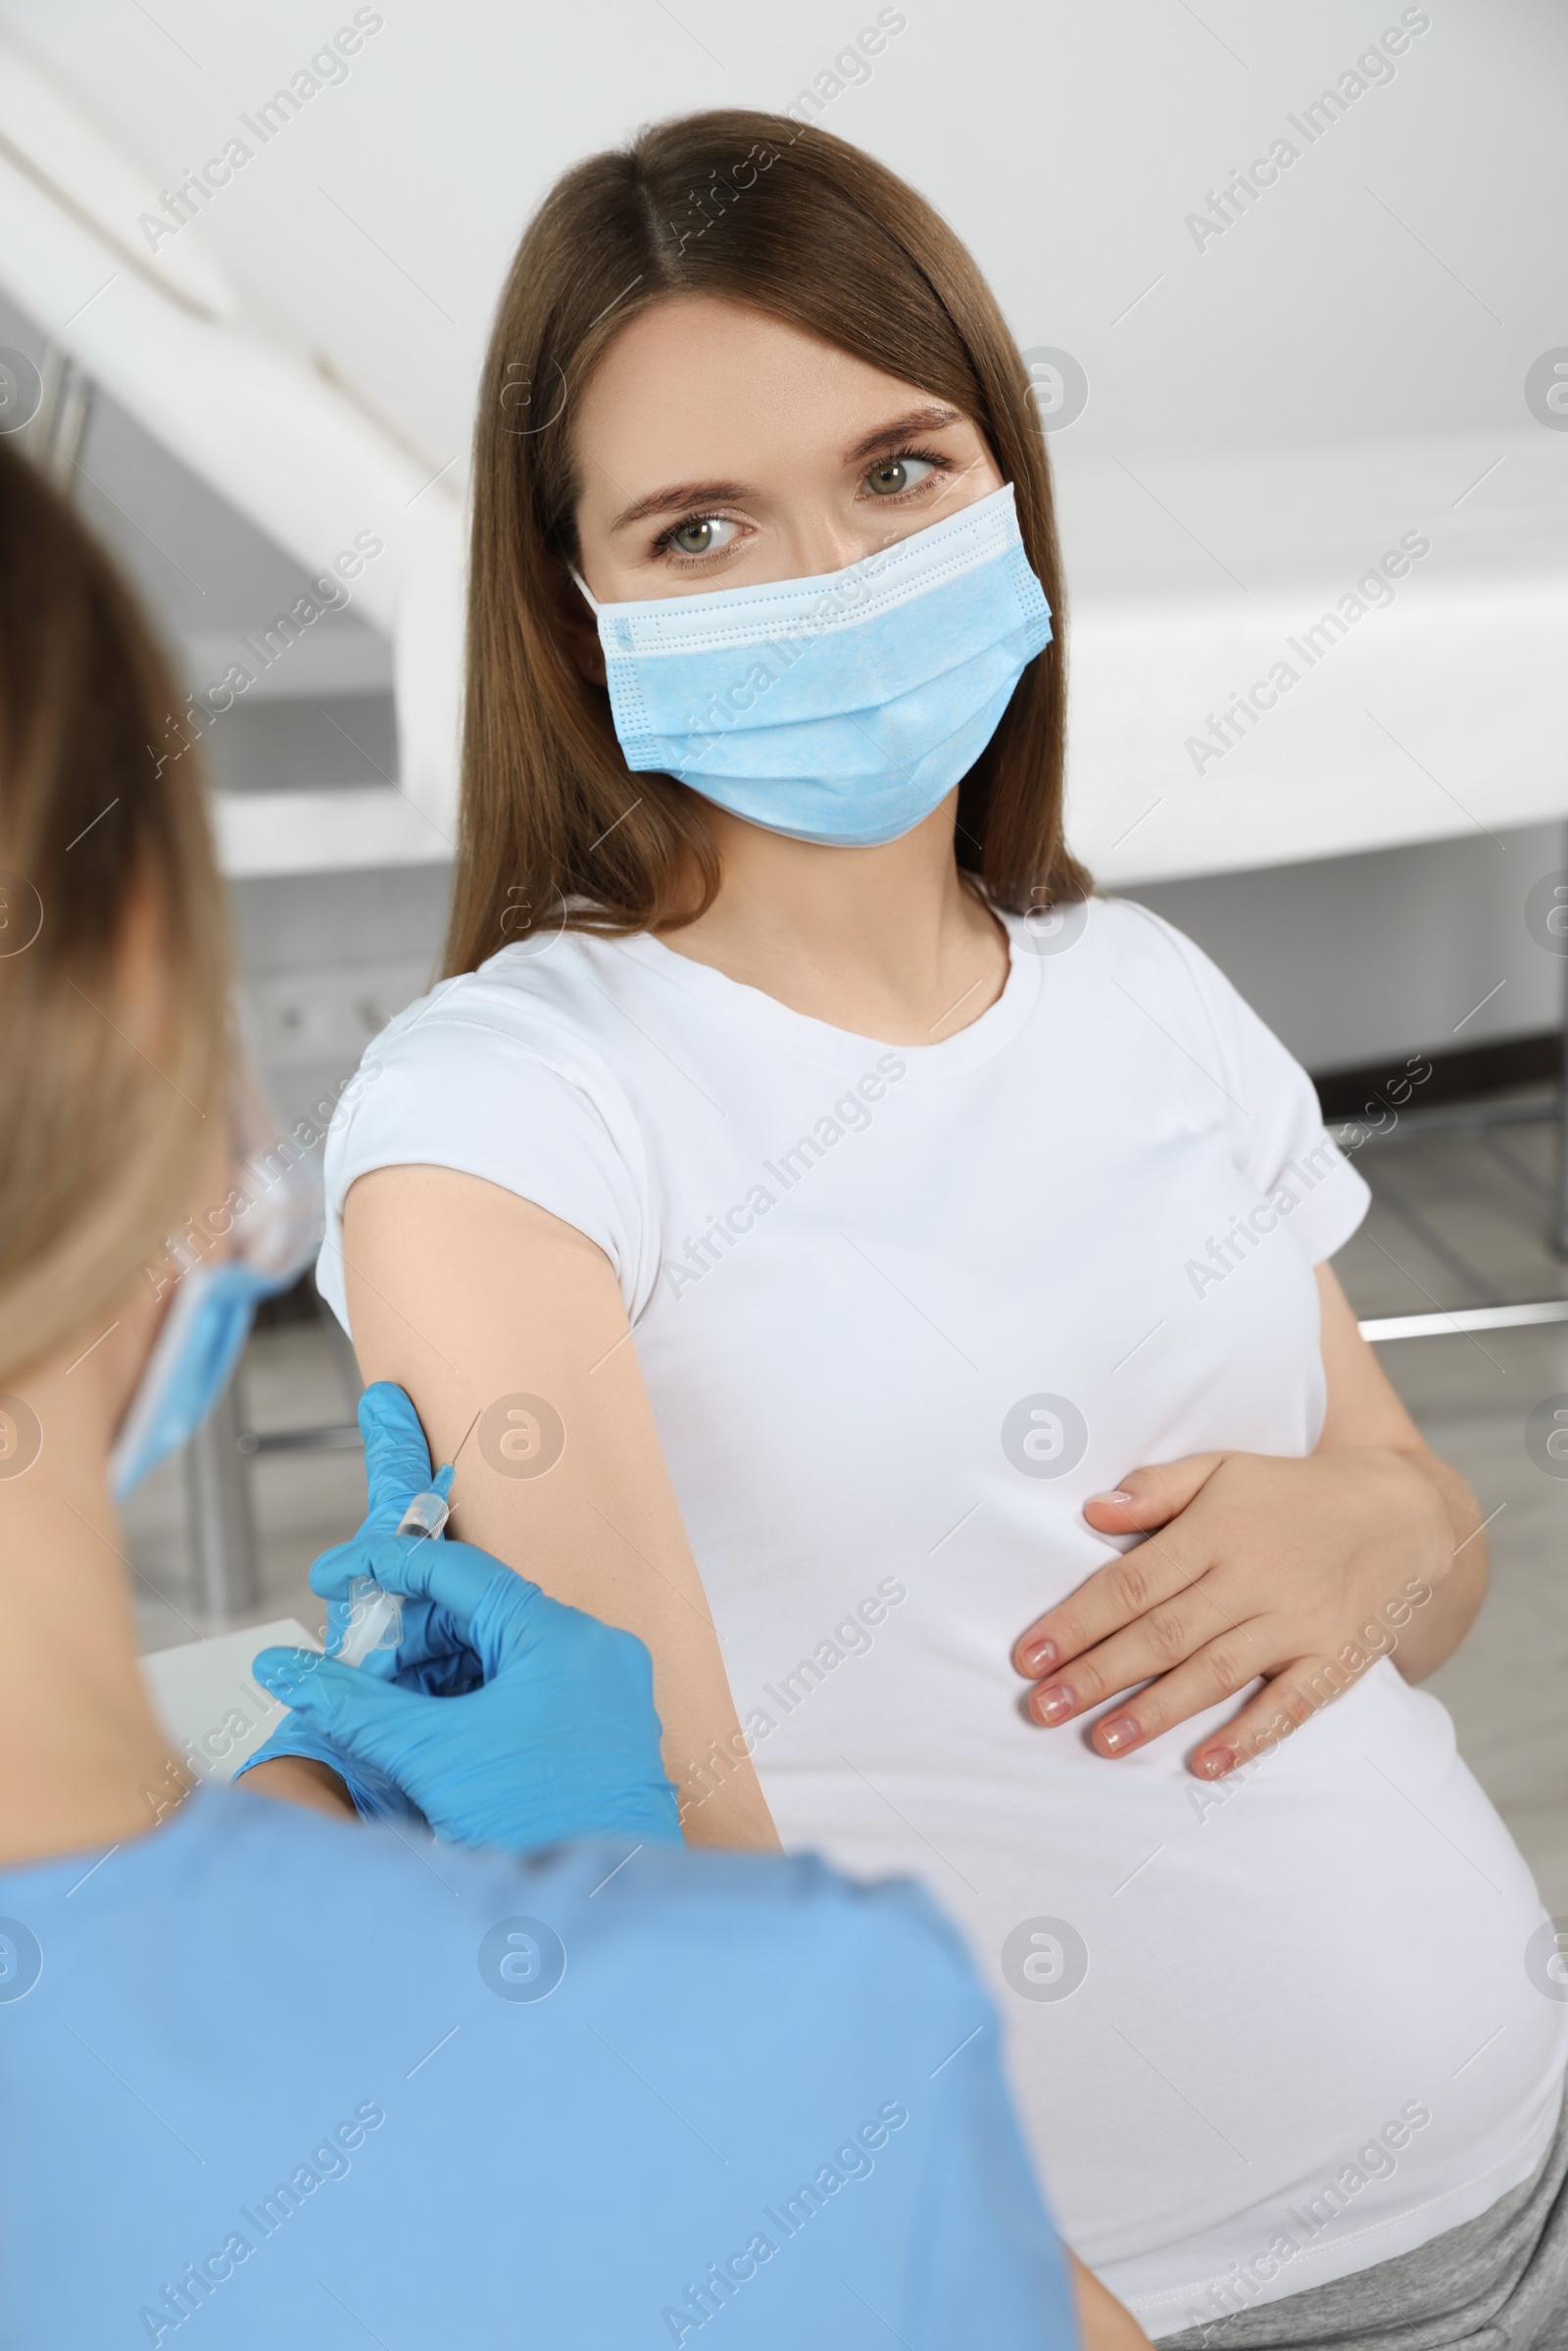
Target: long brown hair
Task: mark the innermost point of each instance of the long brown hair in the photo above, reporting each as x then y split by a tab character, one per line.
107	1074
752	207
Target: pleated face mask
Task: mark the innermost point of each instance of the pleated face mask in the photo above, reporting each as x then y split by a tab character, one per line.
841	709
272	1225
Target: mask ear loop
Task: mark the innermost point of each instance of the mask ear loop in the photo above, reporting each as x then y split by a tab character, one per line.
592	600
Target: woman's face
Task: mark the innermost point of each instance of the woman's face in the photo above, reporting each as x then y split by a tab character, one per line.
719	446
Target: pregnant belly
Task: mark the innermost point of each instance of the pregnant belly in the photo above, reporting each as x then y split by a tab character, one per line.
1213	1996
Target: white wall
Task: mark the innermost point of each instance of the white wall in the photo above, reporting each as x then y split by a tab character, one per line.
1359	959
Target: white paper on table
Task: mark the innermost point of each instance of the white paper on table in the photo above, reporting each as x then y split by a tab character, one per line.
209	1702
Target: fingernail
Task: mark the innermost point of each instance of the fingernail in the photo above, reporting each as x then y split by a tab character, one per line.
1053	1705
1120	1732
1122	1497
1217	1762
1038	1658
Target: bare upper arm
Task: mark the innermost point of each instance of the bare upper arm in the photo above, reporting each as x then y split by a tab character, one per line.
1362	1408
469	1296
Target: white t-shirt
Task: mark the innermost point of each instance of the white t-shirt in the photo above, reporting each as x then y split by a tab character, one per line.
900	1311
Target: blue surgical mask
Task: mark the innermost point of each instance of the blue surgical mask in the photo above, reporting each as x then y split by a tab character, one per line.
192	1363
842	708
272	1236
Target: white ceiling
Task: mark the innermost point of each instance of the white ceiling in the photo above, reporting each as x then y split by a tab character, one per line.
1067	142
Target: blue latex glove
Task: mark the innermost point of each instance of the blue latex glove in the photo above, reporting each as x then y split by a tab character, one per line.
397	1467
560	1740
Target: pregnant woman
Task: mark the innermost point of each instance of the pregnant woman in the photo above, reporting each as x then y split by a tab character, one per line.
828	1238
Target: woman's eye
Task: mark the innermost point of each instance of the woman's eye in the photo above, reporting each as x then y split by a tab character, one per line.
702	535
896	473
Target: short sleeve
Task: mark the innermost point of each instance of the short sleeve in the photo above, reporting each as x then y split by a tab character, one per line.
991	2269
473	1080
987	2263
1282	1145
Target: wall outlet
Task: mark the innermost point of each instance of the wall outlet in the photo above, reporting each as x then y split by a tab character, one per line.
326	1017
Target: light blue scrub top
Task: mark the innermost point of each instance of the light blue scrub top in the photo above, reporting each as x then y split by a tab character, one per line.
335	2087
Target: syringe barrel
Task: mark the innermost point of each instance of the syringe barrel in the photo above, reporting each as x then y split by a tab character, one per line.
426	1514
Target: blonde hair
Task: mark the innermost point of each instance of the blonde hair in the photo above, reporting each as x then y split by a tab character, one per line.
754	209
113	959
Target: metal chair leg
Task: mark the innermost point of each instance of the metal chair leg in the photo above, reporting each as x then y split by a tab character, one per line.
55	436
222	1537
1561	1235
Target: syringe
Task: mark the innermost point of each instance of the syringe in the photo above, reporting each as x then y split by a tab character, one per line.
375	1615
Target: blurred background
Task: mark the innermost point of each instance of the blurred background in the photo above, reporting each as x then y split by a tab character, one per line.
1291	287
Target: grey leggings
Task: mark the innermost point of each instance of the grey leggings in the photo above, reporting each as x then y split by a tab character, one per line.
1497	2284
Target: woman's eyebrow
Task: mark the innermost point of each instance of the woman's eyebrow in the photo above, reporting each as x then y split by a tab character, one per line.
680	493
935	416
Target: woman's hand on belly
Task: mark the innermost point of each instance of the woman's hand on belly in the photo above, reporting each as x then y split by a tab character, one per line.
1300	1572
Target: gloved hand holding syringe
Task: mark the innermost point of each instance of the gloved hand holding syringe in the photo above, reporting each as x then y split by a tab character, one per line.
484	1709
375	1615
